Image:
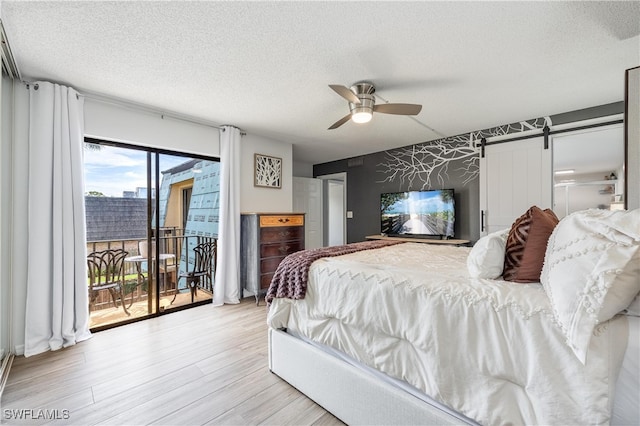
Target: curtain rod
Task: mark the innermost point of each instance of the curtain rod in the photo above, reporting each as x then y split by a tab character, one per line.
142	107
8	61
135	106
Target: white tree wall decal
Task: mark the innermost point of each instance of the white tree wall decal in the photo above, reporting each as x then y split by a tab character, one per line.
427	165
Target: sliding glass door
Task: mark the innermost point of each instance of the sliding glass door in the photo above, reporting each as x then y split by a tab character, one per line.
152	227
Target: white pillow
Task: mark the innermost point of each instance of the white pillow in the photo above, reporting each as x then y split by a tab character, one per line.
634	308
486	258
591	271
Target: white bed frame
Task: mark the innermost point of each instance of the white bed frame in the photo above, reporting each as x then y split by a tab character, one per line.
351	394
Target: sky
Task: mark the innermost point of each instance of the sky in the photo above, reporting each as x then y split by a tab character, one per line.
112	170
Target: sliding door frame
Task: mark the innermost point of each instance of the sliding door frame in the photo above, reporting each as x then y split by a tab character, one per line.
153	216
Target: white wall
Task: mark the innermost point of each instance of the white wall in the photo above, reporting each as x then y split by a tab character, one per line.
120	123
268	200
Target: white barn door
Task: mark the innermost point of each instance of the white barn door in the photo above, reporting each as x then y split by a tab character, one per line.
513	177
307	198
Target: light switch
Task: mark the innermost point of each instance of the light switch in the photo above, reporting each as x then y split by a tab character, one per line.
349	214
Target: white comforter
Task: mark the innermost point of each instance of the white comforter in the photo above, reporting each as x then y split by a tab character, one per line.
490	350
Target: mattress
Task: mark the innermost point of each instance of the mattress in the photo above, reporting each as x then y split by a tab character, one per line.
489	349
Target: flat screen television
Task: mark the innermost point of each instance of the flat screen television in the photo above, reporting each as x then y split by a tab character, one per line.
418	213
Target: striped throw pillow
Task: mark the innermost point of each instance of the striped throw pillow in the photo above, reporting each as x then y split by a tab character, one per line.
527	244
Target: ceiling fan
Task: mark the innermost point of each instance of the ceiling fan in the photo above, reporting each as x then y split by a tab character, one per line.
362	104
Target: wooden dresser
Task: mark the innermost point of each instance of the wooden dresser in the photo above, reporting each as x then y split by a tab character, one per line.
266	239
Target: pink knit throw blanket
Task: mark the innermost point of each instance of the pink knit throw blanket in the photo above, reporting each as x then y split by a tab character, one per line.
290	279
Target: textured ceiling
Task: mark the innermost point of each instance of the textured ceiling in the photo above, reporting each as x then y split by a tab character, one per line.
265	66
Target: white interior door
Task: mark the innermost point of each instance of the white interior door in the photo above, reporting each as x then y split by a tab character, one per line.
513	177
336	213
307	198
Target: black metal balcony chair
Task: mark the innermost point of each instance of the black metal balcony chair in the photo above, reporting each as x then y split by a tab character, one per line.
106	272
203	269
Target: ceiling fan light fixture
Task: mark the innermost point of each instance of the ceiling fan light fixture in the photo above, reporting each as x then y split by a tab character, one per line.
363	112
361	117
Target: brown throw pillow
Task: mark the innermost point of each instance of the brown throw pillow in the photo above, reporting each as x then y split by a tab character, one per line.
527	245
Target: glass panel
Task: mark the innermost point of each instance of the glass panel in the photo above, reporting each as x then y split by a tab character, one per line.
188	217
116	216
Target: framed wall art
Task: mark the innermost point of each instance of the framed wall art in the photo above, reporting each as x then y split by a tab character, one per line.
267	171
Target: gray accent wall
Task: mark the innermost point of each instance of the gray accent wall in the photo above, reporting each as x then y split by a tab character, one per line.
365	183
370	175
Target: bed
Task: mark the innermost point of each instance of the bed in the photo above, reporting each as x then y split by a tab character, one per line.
411	334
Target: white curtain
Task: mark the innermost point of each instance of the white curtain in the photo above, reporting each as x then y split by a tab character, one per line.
57	312
226	288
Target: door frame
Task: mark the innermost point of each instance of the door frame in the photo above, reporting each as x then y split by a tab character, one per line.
340	177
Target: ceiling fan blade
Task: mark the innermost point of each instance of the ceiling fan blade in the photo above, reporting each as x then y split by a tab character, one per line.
340	122
400	109
345	93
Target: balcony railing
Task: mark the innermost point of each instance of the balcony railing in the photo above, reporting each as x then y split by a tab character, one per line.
171	241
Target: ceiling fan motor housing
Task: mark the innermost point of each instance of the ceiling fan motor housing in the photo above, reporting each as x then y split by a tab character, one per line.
364	91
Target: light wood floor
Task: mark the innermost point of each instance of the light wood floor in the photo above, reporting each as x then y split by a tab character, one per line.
204	365
139	309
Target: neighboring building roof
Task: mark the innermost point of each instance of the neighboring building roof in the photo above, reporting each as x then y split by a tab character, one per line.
114	218
182	167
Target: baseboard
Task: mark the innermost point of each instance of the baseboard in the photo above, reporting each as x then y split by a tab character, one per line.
19	350
7	362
